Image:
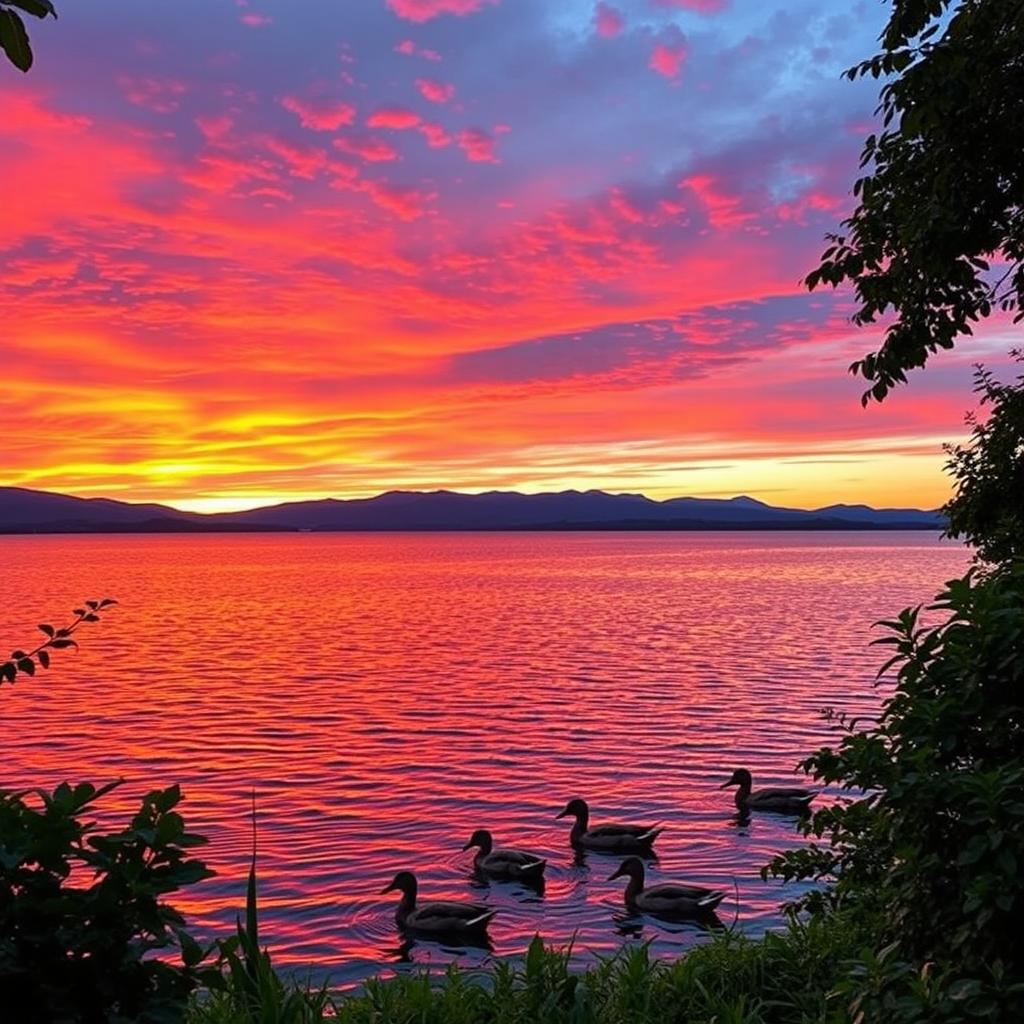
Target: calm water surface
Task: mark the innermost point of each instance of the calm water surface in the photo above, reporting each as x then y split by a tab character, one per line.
388	694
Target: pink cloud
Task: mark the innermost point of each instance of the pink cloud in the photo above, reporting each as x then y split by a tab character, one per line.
700	6
424	10
214	127
723	208
669	54
255	20
409	48
161	95
436	92
398	118
478	146
404	203
368	148
302	161
320	115
435	135
608	21
624	208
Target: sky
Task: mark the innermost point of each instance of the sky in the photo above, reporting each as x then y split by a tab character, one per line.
257	250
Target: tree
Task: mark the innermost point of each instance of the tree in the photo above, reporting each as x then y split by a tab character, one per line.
13	35
988	508
937	240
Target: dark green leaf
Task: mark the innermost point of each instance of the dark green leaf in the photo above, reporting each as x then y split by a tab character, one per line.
14	40
38	8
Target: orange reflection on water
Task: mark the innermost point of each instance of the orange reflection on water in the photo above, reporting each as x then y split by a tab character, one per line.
386	695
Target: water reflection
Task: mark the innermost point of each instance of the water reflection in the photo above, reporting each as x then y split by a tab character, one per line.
635	669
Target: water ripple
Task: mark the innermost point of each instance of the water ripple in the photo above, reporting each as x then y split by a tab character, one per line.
387	695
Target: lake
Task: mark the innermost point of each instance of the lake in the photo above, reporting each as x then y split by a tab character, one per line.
387	694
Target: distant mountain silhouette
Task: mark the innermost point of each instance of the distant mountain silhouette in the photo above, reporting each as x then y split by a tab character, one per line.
27	511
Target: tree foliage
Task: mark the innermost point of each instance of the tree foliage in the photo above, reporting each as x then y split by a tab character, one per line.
936	242
26	662
13	34
988	509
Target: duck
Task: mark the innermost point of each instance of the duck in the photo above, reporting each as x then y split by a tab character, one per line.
504	863
608	838
444	917
781	800
673	899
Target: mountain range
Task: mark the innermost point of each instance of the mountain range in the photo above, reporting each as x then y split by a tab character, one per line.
28	511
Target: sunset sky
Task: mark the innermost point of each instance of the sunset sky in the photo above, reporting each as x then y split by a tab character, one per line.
255	251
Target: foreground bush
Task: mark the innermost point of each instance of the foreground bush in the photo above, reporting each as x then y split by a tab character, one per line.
934	849
82	912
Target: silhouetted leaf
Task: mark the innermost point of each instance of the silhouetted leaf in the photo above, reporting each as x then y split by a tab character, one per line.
44	659
37	8
59	644
14	40
28	666
46	628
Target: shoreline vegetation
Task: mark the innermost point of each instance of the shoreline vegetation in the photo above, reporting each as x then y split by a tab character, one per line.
782	978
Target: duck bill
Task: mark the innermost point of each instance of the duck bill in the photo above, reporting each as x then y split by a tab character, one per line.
618	874
562	814
726	785
388	888
467	846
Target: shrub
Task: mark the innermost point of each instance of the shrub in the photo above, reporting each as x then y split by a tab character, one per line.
85	934
933	845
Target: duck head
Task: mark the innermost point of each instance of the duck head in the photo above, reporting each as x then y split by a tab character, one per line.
576	808
404	882
741	777
632	867
481	838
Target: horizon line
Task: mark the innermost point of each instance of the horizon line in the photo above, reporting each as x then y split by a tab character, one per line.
223	504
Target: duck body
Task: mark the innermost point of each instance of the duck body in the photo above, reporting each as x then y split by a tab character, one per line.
507	864
780	800
667	899
436	917
608	838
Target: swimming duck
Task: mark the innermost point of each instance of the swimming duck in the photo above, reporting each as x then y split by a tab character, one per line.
517	864
668	898
782	800
608	838
446	917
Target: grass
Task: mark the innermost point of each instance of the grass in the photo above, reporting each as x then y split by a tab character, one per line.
783	978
